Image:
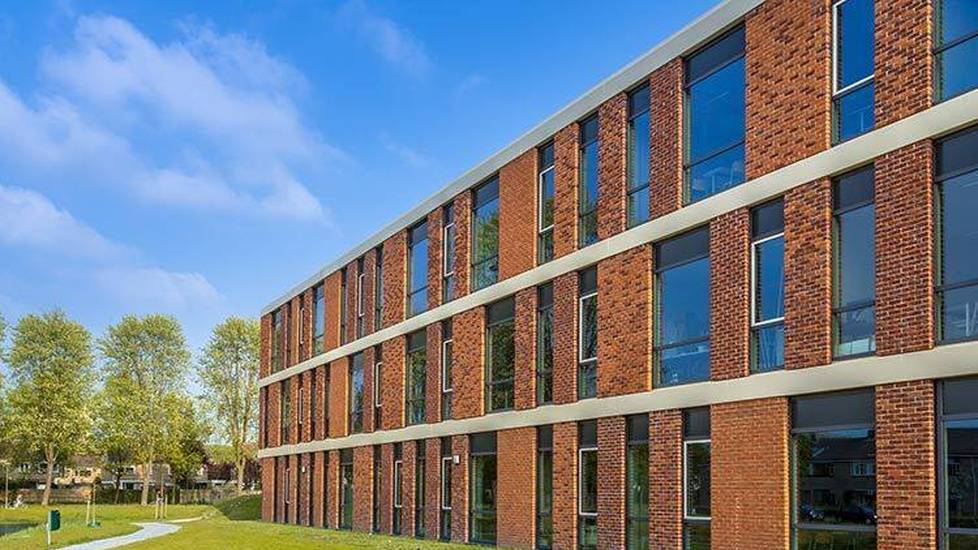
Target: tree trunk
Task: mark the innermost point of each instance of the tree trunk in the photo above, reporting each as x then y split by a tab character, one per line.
118	485
241	472
144	498
49	475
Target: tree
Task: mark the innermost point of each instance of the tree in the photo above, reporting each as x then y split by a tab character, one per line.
187	451
51	366
228	368
146	362
113	437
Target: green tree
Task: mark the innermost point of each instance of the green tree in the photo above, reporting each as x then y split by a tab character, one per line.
146	362
112	436
228	368
51	367
187	450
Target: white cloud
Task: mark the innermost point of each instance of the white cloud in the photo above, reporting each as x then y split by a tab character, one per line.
388	39
155	288
407	154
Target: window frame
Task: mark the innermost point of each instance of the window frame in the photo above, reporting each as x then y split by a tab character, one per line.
474	261
581	360
490	382
448	265
544	234
582	215
422	290
318	319
942	420
416	404
839	93
543	375
630	150
756	326
939	48
378	287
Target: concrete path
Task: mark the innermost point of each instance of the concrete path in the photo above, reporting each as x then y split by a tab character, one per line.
147	531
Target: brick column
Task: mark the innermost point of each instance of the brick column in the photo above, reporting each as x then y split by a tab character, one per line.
280	464
463	221
320	374
516	487
392	385
408	452
296	395
808	275
460	489
369	271
665	479
363	483
611	489
307	405
525	343
517	215
432	487
369	422
304	500
274	412
293	481
331	295
565	189
433	373
339	379
624	322
565	338
565	486
906	495
318	488
267	489
749	469
386	487
395	275
333	489
468	371
434	258
730	295
612	159
306	325
905	250
666	126
904	64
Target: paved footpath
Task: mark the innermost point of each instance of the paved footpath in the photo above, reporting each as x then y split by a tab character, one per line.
147	531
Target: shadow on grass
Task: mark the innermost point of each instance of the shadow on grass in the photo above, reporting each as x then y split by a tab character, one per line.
244	508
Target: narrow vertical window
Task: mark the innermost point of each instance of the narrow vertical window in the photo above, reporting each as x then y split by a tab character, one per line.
715	103
343	306
300	409
378	381
419	489
682	346
587	485
696	478
500	355
448	253
397	484
417	359
379	288
637	482
301	332
767	287
482	508
447	382
361	298
957	463
267	416
356	394
545	488
545	344
313	403
288	323
587	192
418	269
276	351
324	491
445	490
485	234
318	319
833	448
587	333
854	264
956	47
545	203
638	156
853	54
375	518
957	229
287	497
285	412
346	489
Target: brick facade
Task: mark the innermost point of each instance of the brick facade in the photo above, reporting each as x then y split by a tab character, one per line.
624	317
515	473
730	295
517	215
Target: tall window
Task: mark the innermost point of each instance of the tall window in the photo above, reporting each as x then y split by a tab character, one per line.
277	359
587	333
957	202
956	42
482	509
448	253
854	264
378	380
419	489
301	320
287	320
834	460
287	497
318	319
638	156
716	117
266	414
324	491
447	356
587	486
361	298
346	489
696	479
356	393
767	287
344	297
285	413
397	484
300	412
545	203
545	488
500	355
445	490
417	359
375	518
485	234
379	288
958	463
545	344
587	193
313	404
852	64
637	483
683	293
418	269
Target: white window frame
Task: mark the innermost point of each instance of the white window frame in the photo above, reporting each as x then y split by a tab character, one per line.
580	477
360	299
836	92
754	322
444	379
446	472
540	175
447	268
378	365
288	493
686	444
580	328
396	490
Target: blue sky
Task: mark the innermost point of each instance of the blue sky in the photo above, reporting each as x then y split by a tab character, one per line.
199	158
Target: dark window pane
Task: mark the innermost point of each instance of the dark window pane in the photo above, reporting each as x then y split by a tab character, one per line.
957	153
854	58
828	410
483	506
961	468
716	54
767	348
637	480
717	112
767	219
696	536
638	151
716	174
415	392
959	313
500	365
589	482
955	69
959	395
836	473
588	192
683	364
587	533
769	280
959	202
547	198
485	235
638	207
545	354
847	540
855	256
958	18
855	332
697	478
684	302
854	188
683	248
696	423
854	112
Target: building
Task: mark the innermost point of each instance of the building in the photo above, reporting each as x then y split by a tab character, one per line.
741	313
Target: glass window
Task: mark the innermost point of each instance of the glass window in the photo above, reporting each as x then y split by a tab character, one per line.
485	234
639	136
767	287
277	359
696	479
346	489
361	298
545	344
447	382
683	316
956	42
445	490
344	337
318	319
500	355
587	193
482	511
853	63
587	334
545	488
375	517
545	194
834	461
854	264
448	253
716	110
356	393
587	486
419	489
957	201
418	269
397	484
378	379
285	413
379	288
417	359
958	463
299	413
637	483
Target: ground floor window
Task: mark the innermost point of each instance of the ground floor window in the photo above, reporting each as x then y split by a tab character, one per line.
375	520
346	489
958	463
482	506
545	487
397	483
696	479
419	489
587	485
445	490
637	483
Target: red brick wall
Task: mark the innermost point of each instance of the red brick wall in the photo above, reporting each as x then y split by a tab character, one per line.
463	220
730	295
293	383
565	190
280	464
433	373
392	388
274	410
408	451
525	344
905	250
319	412
339	379
293	480
306	434
788	87
460	489
305	497
517	215
565	486
665	479
468	331
749	471
611	489
432	488
395	275
369	270
333	489
434	257
905	457
262	424
369	423
904	64
565	338
666	125
624	322
612	121
267	488
386	488
808	275
318	481
363	483
331	291
515	483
